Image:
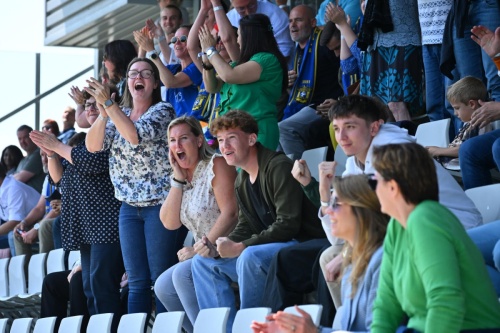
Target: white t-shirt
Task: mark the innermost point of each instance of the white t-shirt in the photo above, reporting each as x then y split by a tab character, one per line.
16	199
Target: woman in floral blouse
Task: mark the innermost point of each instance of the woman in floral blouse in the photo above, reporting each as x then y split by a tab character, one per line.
135	134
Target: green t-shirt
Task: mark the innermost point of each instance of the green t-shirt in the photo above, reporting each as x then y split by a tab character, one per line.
258	98
434	273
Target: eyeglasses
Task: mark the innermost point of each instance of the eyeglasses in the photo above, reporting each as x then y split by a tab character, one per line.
182	39
372	181
91	105
145	74
334	202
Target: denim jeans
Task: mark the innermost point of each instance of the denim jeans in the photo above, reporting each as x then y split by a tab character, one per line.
435	89
56	233
471	60
175	289
213	277
487	239
148	250
300	132
102	269
477	156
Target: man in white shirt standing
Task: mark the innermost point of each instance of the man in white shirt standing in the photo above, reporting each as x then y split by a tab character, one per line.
278	18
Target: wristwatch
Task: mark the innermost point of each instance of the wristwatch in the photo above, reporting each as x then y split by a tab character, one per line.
211	51
36	226
108	103
152	55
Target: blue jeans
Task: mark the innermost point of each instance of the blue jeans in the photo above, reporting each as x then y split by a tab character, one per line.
102	270
148	250
487	239
175	289
56	233
298	132
435	89
10	240
213	278
471	60
477	156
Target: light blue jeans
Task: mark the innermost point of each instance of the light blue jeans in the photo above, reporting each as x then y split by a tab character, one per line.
213	277
175	289
148	250
487	239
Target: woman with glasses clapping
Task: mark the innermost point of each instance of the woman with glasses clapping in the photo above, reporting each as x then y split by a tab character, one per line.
135	133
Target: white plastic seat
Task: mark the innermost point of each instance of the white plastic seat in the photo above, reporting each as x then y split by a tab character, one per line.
45	325
486	200
36	274
21	325
168	322
244	318
72	258
100	323
314	310
71	324
17	277
434	133
55	261
313	157
132	323
3	325
212	320
4	278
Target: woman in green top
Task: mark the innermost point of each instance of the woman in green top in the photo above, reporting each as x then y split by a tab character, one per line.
257	76
432	273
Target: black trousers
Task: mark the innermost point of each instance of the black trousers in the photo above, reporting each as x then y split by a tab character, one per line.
295	271
57	292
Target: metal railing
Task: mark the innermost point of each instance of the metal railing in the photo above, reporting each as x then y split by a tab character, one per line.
39	96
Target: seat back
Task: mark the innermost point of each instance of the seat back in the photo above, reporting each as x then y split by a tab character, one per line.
486	200
55	261
72	258
341	158
132	323
244	318
21	325
71	324
36	273
100	323
314	310
3	325
434	133
212	320
4	277
17	277
170	322
313	157
45	325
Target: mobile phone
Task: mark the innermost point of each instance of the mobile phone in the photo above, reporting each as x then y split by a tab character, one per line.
19	231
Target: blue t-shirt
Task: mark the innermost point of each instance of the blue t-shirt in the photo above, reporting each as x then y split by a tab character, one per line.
182	99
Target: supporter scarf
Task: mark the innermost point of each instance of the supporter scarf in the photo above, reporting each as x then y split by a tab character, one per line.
303	88
204	104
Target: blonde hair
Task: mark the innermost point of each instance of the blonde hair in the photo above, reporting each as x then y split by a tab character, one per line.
371	224
205	152
466	89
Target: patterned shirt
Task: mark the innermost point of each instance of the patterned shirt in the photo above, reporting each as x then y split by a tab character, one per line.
432	15
199	208
89	211
140	173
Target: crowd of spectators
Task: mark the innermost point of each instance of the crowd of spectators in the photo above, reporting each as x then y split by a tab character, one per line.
189	128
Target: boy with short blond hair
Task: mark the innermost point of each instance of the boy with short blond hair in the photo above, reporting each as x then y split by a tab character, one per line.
464	97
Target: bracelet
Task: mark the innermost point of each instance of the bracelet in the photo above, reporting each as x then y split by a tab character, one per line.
50	157
103	118
176	185
207	67
183	182
283	6
216	8
324	204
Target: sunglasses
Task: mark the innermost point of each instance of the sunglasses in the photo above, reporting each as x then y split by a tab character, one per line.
46	127
182	39
372	181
